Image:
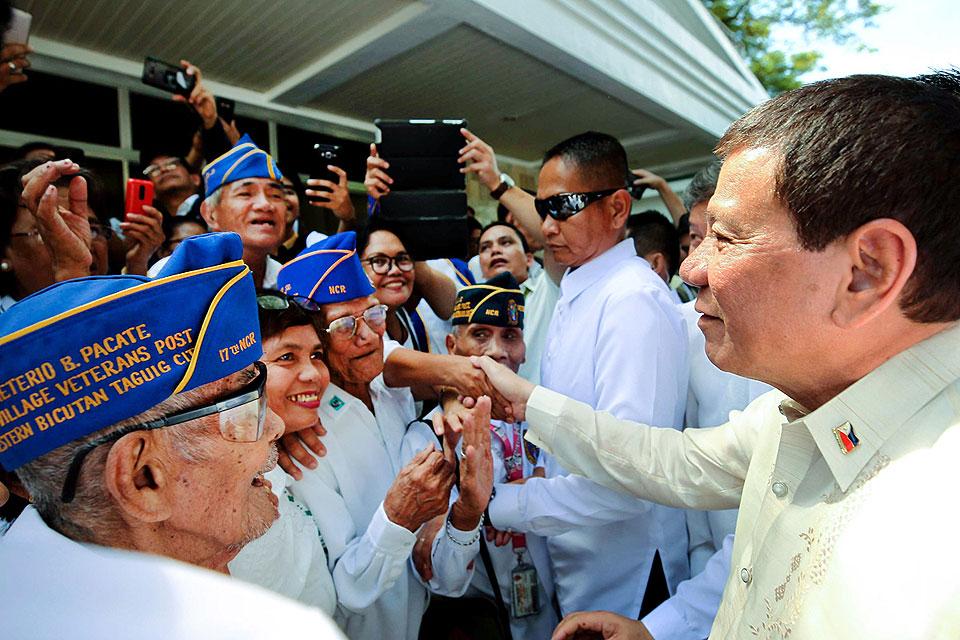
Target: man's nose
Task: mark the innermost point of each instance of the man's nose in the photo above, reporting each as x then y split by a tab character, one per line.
273	426
693	270
496	350
549	226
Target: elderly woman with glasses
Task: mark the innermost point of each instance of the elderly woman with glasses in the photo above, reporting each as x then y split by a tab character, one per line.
368	501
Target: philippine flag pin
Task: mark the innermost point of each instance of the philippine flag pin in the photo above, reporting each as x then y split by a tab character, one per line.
846	437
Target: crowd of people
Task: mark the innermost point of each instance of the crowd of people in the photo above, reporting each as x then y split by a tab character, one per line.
215	422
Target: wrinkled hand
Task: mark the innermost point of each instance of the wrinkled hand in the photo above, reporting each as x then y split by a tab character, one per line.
482	160
290	447
497	537
65	230
376	179
230	128
200	98
421	490
470	381
423	549
600	624
144	234
337	199
648	179
17	54
514	390
476	468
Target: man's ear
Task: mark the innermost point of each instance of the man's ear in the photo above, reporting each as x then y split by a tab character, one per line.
138	478
659	264
209	216
620	206
195	179
882	255
530	259
451	342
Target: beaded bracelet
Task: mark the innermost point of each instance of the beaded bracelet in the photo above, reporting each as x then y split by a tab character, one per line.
475	538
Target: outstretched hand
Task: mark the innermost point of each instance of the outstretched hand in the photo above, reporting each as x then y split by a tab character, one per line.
65	230
600	624
514	390
478	157
376	179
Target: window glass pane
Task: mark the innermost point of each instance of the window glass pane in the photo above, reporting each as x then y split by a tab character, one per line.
49	105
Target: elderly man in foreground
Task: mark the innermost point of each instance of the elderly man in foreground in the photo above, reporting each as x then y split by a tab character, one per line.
133	413
829	270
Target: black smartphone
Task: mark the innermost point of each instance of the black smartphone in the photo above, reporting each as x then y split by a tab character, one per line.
635	190
159	74
226	108
324	154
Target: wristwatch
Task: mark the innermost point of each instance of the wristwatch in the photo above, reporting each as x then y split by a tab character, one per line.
505	183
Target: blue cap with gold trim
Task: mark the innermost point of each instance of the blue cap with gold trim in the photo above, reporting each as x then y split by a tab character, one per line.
244	160
498	302
327	271
84	354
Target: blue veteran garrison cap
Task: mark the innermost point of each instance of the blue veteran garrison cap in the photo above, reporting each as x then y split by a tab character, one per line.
244	160
497	302
327	271
84	354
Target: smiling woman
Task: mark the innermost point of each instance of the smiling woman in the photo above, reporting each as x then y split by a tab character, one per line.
293	352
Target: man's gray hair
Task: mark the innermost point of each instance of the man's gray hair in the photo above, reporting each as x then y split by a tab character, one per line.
702	186
90	516
213	200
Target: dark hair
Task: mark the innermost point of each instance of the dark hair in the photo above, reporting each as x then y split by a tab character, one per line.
683	225
474	225
374	224
866	147
497	223
598	156
502	212
702	186
171	223
273	322
24	149
651	231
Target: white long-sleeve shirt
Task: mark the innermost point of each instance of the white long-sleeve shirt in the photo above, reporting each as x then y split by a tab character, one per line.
369	555
617	343
834	536
450	562
54	587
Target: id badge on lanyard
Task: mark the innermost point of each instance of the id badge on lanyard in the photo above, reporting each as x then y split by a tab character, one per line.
524	581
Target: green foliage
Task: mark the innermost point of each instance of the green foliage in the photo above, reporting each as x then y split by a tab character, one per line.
750	24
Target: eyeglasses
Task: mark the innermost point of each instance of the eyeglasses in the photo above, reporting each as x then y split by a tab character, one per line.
273	302
346	327
566	205
242	416
154	169
382	264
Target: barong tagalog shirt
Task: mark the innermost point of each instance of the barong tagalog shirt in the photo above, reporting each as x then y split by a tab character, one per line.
839	507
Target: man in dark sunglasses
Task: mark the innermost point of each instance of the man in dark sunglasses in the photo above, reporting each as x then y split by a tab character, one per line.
616	342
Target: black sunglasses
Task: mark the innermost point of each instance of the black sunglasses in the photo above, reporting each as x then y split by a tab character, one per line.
240	421
566	205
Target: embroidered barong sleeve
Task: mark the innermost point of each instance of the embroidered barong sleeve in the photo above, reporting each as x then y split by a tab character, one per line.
695	468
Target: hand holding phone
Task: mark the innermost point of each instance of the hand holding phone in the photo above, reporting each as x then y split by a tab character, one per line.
165	76
139	193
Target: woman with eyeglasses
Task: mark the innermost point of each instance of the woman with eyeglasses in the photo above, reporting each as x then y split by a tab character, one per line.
401	283
290	558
